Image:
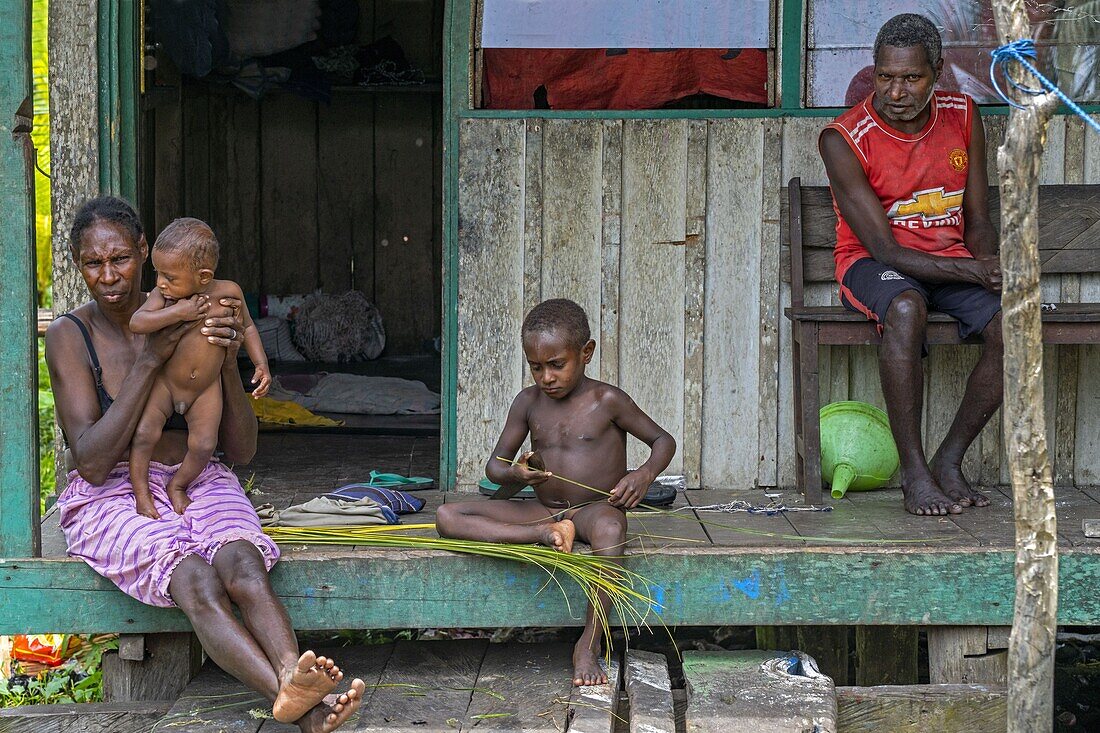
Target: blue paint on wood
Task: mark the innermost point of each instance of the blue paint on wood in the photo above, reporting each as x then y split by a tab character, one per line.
750	586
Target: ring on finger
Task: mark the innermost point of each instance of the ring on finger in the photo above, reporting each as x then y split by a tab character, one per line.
234	336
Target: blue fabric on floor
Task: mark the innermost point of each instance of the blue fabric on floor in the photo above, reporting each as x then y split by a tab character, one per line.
400	502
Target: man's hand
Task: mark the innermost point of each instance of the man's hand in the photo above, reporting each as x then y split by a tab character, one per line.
988	271
631	489
522	473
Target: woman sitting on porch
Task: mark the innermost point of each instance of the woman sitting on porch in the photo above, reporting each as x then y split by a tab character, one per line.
213	555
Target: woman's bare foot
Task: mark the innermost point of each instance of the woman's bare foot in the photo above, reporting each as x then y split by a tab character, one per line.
304	686
924	498
559	535
334	711
145	507
586	665
955	485
179	498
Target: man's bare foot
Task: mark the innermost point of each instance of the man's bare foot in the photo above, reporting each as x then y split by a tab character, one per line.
955	486
304	686
334	711
144	506
586	665
924	498
179	498
559	535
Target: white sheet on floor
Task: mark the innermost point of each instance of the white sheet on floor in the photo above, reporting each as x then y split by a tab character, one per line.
362	395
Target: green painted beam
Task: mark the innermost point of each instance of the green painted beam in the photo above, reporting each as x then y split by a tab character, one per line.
793	53
456	75
18	360
703	587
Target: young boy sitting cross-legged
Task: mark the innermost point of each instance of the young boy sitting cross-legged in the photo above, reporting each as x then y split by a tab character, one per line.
578	426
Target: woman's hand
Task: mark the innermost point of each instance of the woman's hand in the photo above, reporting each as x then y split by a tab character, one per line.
224	327
160	345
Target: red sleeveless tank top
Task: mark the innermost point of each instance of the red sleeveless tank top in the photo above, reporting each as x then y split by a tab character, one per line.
920	179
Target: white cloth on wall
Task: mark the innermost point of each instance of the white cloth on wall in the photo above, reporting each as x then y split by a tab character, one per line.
362	395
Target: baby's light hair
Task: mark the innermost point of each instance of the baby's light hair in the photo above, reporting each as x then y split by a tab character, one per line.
192	238
559	315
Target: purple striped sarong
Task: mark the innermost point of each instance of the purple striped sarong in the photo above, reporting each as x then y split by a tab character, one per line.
138	554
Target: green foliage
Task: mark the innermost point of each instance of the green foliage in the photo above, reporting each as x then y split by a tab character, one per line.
46	467
80	679
40	135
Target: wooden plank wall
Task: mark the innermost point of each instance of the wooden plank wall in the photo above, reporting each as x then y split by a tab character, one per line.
306	195
667	232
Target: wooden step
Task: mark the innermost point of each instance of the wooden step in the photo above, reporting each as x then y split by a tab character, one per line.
756	692
106	717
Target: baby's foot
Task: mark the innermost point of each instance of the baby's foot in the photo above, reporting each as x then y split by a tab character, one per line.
586	666
334	711
304	686
559	535
145	507
179	498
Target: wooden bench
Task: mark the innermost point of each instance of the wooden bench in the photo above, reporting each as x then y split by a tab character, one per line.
1069	242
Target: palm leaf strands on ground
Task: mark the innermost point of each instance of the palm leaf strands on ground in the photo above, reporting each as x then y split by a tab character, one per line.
626	589
744	530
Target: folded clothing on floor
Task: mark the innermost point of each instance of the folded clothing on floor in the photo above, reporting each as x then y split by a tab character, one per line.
325	511
355	393
399	501
285	412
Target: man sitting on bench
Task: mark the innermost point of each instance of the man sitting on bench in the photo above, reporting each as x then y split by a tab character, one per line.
907	171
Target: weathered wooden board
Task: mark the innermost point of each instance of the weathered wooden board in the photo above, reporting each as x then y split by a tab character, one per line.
651	305
920	708
733	691
731	390
84	718
532	220
571	225
196	151
885	511
611	236
234	200
521	687
214	702
1087	444
650	530
742	529
423	686
289	123
771	320
695	275
962	655
650	692
404	273
167	663
345	195
490	237
595	708
701	586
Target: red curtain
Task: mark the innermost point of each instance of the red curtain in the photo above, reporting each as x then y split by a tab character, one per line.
621	78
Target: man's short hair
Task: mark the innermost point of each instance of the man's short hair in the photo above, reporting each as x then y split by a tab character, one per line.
190	237
559	315
910	29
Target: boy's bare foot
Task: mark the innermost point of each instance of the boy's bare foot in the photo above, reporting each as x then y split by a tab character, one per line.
334	710
144	506
924	498
559	535
586	666
955	485
179	498
303	686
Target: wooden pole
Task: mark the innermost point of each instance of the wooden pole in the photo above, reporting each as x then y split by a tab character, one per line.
1031	646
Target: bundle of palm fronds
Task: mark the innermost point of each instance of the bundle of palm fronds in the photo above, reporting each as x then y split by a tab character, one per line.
627	591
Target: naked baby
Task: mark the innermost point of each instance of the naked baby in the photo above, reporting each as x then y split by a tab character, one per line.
185	256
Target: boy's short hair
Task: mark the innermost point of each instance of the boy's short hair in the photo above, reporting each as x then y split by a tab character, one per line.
559	315
193	238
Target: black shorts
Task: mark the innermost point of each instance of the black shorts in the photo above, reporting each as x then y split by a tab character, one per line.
870	287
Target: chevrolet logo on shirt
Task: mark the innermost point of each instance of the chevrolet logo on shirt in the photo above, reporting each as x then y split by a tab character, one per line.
930	205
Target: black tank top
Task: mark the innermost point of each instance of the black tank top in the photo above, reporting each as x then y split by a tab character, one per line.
175	422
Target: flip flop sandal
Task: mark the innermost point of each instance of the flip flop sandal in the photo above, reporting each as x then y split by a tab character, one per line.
488	488
658	495
397	481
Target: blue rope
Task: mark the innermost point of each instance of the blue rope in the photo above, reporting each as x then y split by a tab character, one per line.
1020	51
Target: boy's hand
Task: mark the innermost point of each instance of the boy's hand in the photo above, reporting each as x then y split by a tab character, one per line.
263	377
524	474
193	308
630	490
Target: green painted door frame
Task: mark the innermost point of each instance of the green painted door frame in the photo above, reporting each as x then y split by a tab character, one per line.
119	84
19	529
